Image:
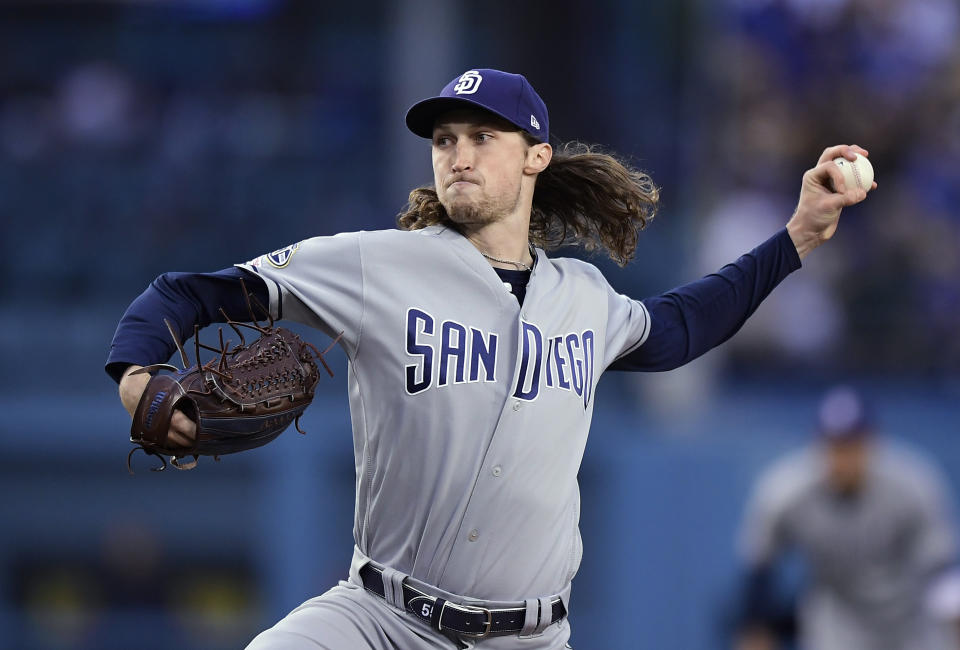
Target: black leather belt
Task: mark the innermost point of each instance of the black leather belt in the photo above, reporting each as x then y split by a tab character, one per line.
466	620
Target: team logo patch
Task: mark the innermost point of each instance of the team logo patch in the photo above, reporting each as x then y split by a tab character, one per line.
280	258
468	83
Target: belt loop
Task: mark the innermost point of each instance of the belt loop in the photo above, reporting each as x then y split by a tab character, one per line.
546	614
436	614
532	617
393	587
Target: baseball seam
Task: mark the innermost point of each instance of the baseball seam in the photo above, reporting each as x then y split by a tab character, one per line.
856	175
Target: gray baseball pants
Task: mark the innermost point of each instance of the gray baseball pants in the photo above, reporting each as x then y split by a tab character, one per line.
350	618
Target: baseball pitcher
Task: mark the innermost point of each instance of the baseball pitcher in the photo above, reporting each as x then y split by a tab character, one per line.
473	361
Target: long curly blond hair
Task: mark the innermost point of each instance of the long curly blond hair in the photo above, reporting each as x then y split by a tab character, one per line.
584	197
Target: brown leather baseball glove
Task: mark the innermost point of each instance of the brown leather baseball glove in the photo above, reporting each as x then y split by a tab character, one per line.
241	399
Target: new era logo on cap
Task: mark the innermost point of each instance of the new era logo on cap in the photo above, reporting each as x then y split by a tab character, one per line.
508	95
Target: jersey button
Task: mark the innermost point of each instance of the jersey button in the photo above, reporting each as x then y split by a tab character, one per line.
497	471
516	406
474	534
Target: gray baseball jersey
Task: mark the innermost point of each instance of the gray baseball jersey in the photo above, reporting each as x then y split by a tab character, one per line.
870	557
470	413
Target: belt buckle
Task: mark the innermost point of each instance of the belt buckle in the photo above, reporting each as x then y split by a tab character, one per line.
488	624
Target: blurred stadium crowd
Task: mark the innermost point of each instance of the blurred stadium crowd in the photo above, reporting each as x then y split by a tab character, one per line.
136	137
792	75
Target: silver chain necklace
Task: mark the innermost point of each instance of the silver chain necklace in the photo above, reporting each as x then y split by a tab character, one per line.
520	265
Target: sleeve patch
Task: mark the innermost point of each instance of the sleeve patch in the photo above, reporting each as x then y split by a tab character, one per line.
277	259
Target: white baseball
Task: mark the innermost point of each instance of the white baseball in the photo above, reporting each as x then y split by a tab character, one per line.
856	173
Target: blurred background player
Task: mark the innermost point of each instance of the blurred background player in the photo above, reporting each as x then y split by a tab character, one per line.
871	523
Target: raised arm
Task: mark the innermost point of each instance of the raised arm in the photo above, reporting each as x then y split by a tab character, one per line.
690	320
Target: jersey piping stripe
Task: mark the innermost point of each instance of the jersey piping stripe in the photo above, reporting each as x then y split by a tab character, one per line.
643	335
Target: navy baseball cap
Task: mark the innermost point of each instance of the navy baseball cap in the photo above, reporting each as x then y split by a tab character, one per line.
508	95
843	415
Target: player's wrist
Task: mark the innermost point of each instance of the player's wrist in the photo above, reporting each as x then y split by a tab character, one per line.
131	388
804	239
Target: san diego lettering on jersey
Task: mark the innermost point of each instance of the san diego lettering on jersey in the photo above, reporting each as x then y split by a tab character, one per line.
447	352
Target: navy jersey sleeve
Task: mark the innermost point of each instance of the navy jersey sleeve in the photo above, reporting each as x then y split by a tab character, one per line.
692	319
185	299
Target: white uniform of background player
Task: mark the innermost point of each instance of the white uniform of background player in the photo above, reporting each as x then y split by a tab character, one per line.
873	524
